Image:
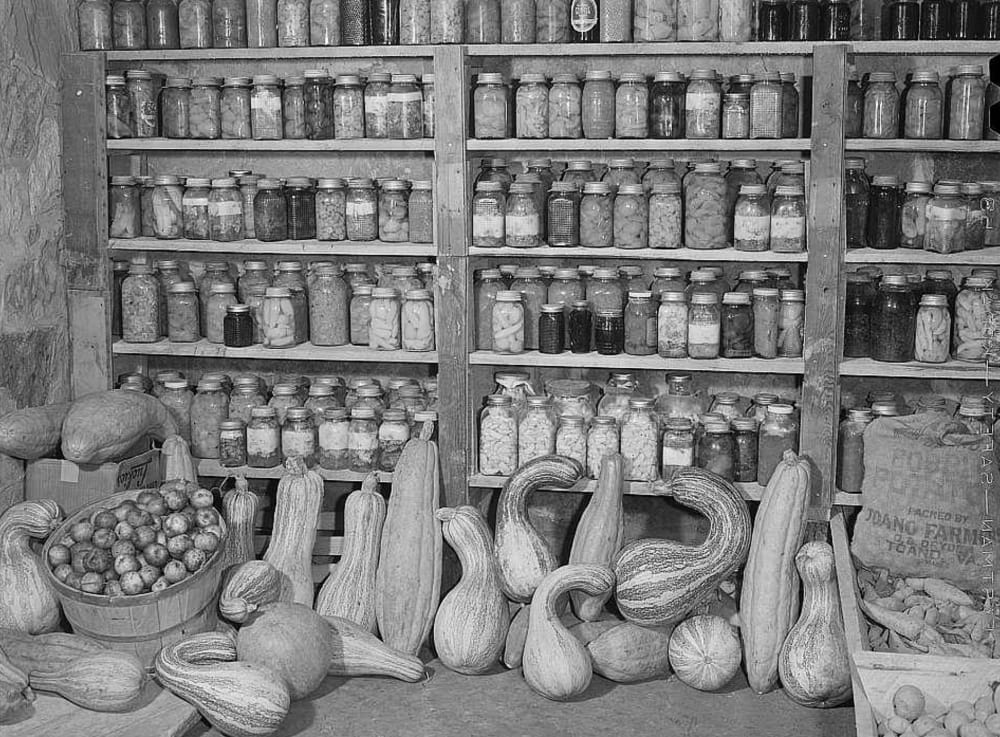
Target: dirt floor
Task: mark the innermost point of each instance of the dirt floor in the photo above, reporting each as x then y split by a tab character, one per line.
502	705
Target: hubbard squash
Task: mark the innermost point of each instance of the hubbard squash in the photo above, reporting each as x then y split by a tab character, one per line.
770	595
660	581
357	652
237	698
296	514
248	587
705	652
556	665
239	509
598	537
524	557
33	432
103	426
627	653
408	581
814	666
349	591
109	681
27	602
177	461
470	627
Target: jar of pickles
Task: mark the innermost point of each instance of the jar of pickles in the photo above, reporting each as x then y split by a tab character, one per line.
175	103
565	101
361	210
973	319
270	211
976	216
881	106
518	21
393	216
508	323
791	322
932	342
167	201
418	321
704	326
384	325
596	215
532	106
278	324
856	196
124	208
704	206
597	105
703	105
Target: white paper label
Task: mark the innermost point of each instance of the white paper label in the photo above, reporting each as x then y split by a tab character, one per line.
224	209
359	209
782	227
751	227
488	226
195	202
404	97
523	225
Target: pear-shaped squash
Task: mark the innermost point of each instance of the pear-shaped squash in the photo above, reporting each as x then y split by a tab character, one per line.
27	602
357	652
296	513
814	665
629	653
470	627
349	591
108	682
556	664
239	508
598	537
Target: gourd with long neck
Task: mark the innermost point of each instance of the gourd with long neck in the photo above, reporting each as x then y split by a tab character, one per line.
27	602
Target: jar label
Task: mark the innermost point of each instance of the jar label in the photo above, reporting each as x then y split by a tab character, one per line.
703	334
701	101
224	209
785	227
935	212
523	225
751	227
991	212
262	442
195	202
266	103
583	15
298	443
678	456
487	226
359	209
404	97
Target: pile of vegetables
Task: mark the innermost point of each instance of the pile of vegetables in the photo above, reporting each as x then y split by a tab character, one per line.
912	715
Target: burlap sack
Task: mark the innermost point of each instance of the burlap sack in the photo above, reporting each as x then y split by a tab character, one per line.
930	491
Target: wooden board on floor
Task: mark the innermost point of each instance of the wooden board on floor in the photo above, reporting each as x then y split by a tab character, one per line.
164	716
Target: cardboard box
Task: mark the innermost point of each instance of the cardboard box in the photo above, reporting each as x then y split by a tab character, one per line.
75	485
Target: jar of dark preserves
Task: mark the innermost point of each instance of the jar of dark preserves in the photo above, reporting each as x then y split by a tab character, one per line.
778	432
857	316
835	20
884	213
934	20
803	20
580	322
966	20
856	196
551	329
300	202
854	111
991	20
318	95
900	20
772	20
736	326
609	331
893	320
744	449
716	450
270	212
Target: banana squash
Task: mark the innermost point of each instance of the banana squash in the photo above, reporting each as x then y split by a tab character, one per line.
27	601
357	652
108	681
104	426
659	581
296	514
239	509
36	653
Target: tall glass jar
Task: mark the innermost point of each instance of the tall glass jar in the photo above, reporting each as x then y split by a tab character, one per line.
563	215
406	108
640	324
881	112
118	105
596	215
332	437
129	25
482	22
893	320
791	323
329	298
262	24
766	106
973	318
630	217
737	327
856	196
790	96
293	108
362	440
331	204
639	441
752	219
360	311
565	101
536	431
486	289
667	106
529	284
298	435
704	208
205	120
229	24
140	305
183	313
221	297
168	196
672	325
665	216
923	116
703	105
913	215
94	21
348	107
632	106
788	220
225	211
124	210
883	213
704	326
602	440
490	107
597	105
772	21
778	432
765	322
489	209
932	343
175	103
279	318
518	21
976	216
318	98
697	20
270	212
384	328
552	21
393	215
532	107
324	23
161	25
376	105
417	316
966	100
209	408
522	221
851	450
946	214
293	23
142	90
508	323
361	210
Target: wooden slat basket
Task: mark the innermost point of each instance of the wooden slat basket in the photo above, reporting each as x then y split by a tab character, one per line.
145	623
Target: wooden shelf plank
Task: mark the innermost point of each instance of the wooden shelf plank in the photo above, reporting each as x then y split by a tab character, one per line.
925	48
913	369
750	492
799	145
914	146
304	352
211	467
369	145
643	49
650	254
277	248
276	54
986	256
648	363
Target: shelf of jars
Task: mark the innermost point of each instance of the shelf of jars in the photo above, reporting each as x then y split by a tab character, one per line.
950	369
798	145
647	254
627	362
371	145
985	256
924	48
275	248
214	469
303	352
915	146
753	48
284	53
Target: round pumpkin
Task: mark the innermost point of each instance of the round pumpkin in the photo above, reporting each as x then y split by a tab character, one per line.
705	652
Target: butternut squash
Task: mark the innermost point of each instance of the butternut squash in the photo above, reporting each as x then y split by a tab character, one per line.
27	601
660	581
109	681
470	627
296	514
249	586
524	557
408	581
357	652
814	665
104	426
628	653
33	432
598	537
238	699
349	591
556	665
769	599
239	509
177	461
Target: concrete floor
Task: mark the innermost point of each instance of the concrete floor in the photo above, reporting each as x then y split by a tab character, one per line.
502	705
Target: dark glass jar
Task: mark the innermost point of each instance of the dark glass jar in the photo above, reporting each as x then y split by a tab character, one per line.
934	20
580	327
666	106
609	332
803	20
835	20
854	112
900	20
991	20
856	201
237	327
894	319
385	22
737	326
884	213
857	316
318	96
551	329
270	212
744	449
300	201
716	452
772	20
966	21
355	23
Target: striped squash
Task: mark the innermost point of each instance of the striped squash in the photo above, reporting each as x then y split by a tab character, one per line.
705	652
660	581
248	587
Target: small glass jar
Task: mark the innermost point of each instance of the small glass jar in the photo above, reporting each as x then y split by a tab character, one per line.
232	444
778	432
536	431
752	219
596	215
881	112
361	210
532	107
639	441
128	19
966	103
923	116
183	313
884	213
788	220
597	105
703	105
124	209
140	305
705	208
704	326
946	213
932	342
552	329
893	320
209	408
737	326
225	211
791	323
205	120
765	322
406	108
717	451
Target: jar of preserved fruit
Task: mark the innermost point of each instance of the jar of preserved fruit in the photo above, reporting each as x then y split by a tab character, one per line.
414	23
667	106
482	22
384	325
168	221
94	21
884	213
619	172
418	321
735	115
697	20
323	17
220	298
406	108
161	25
552	21
703	105
750	280
293	108
766	106
737	327
362	440
487	287
205	120
881	112
717	451
913	220
265	108
620	388
972	319
640	324
602	440
788	220
665	219
778	432
118	106
757	411
360	313
329	298
176	396
209	408
532	107
596	215
966	101
772	21
677	450
322	397
142	91
630	217
632	106
123	204
923	116
932	343
934	16
348	107
175	103
976	216
508	323
183	320
489	214
605	291
639	441
225	211
856	196
270	212
571	398
704	326
578	173
851	450
597	105
704	208
128	19
659	171
498	441
536	432
672	325
946	217
752	219
791	322
393	216
564	107
522	221
893	320
765	322
229	24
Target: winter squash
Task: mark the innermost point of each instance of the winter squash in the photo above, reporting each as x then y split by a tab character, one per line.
15	694
659	581
27	602
108	681
177	461
470	627
627	653
705	652
357	652
31	653
517	633
33	432
814	665
239	509
248	587
103	426
769	599
349	591
524	557
598	537
297	505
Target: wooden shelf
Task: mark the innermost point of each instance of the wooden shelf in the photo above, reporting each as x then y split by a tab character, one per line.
987	256
369	145
912	146
606	145
304	352
210	467
647	254
750	492
797	48
648	363
925	48
275	54
276	248
913	370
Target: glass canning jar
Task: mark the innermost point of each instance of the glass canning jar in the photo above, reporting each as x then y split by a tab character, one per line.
175	103
482	22
766	106
697	20
362	440
704	208
703	105
803	20
360	312
851	450
750	280
384	323
752	219
619	172
854	109
293	22
323	396
536	431
229	24
417	315
205	120
835	20
565	101
735	115
578	173
142	90
640	324
183	313
923	116
791	323
737	326
716	450
602	440
283	398
932	341
293	108
672	325
168	195
140	305
788	220
966	103
508	323
289	275
639	441
427	90
118	105
393	434
270	212
489	209
248	191
94	21
704	326
332	437
324	23
298	435
528	282
946	217
329	298
765	322
913	215
421	207
632	106
406	107
677	450
331	204
975	221
893	320
348	107
522	221
234	107
490	107
597	106
242	401
393	215
856	196
655	20
883	213
665	216
361	210
934	20
318	99
659	171
220	298
161	25
789	104
532	106
519	24
778	432
596	215
667	106
881	111
972	319
487	286
263	438
376	105
265	108
939	281
900	20
124	209
631	217
278	323
225	211
772	21
563	215
619	389
209	408
129	25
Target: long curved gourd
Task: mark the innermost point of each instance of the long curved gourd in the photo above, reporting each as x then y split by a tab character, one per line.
33	432
660	581
349	591
408	581
177	460
239	508
296	514
555	663
470	628
27	602
770	596
238	699
103	426
357	652
814	666
599	535
524	557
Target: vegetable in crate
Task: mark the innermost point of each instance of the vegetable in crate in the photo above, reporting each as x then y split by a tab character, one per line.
33	432
103	426
27	602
